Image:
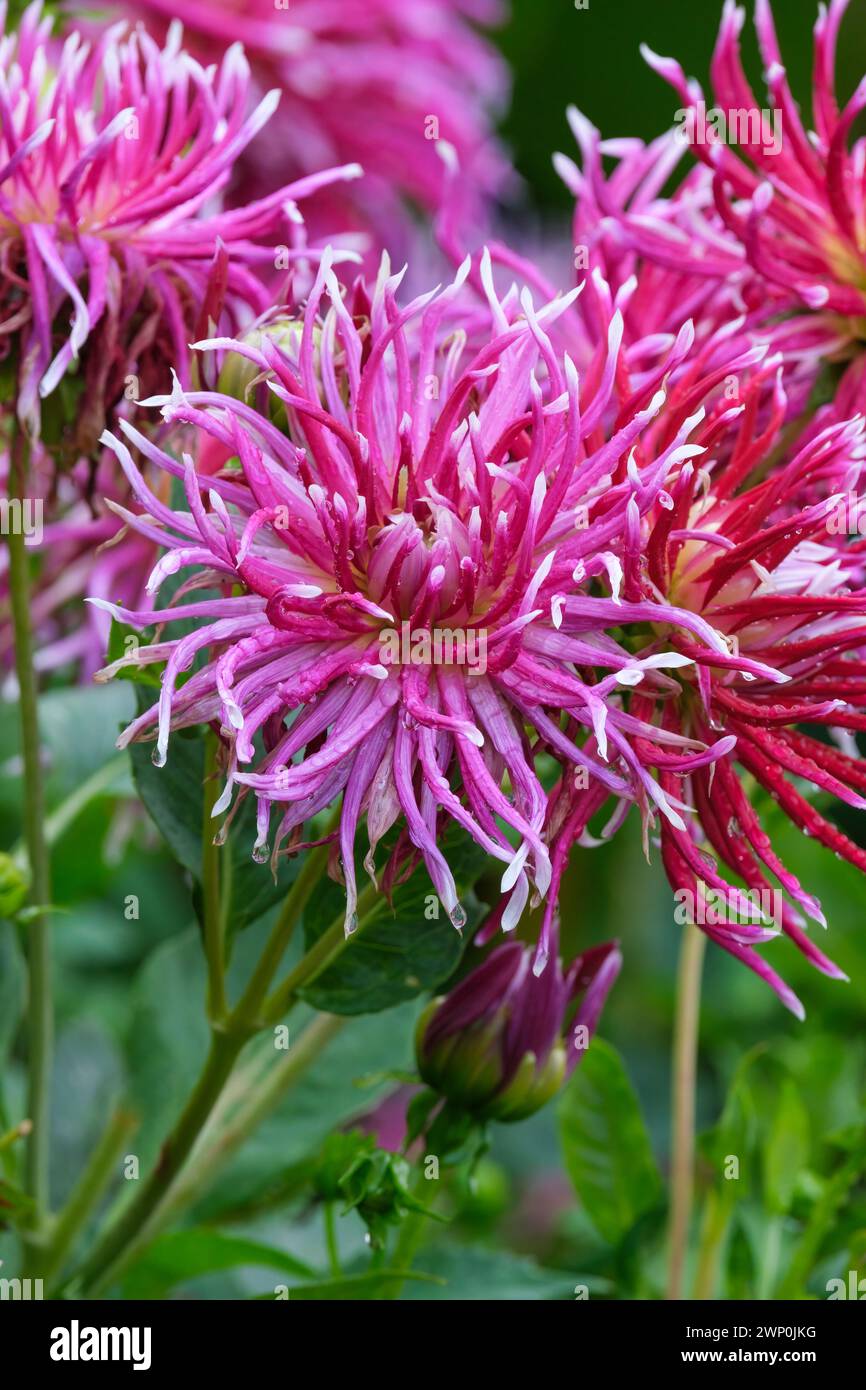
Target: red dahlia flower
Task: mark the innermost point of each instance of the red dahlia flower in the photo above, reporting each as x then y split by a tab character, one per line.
758	553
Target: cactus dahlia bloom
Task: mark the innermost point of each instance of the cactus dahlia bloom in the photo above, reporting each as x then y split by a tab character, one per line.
772	217
109	157
378	81
760	556
432	474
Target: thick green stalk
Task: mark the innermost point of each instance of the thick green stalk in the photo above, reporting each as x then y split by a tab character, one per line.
329	945
212	1156
98	1270
246	1012
216	1149
684	1080
40	1014
134	1227
214	945
88	1192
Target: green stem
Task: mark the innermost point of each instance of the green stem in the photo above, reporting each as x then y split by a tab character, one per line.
214	945
409	1240
212	1155
135	1226
684	1081
331	1239
246	1012
329	945
88	1192
98	1270
263	1097
40	1014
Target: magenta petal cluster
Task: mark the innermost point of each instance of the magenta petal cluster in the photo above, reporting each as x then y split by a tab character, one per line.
392	84
439	474
771	220
761	240
111	246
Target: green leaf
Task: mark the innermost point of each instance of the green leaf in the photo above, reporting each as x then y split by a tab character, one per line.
786	1152
184	1255
740	1271
78	730
402	953
168	1036
122	640
822	1220
605	1143
88	1080
471	1273
733	1136
373	1285
173	795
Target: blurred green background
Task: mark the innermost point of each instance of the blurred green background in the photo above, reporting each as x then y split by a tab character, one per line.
130	991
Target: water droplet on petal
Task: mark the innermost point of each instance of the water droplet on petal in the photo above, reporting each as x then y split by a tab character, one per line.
458	917
261	854
352	924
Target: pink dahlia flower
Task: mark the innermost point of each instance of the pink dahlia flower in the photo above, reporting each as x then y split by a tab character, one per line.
426	473
111	250
772	217
392	84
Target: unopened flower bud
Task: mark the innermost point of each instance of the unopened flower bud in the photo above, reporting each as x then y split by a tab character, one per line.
500	1045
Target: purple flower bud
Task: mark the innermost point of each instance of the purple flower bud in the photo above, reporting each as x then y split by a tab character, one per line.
504	1040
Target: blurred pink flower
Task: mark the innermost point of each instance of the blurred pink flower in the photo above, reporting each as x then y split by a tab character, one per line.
78	551
389	83
111	247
